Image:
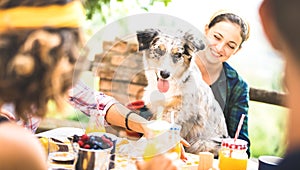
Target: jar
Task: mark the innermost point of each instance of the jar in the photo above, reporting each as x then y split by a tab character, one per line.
233	155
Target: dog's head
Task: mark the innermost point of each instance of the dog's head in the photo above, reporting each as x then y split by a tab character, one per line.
168	55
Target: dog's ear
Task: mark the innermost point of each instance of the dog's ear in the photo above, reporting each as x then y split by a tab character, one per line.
145	37
193	43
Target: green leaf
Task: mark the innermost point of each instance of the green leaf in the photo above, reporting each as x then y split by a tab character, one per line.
95	6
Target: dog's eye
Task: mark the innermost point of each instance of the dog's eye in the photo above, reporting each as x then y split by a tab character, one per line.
160	50
176	57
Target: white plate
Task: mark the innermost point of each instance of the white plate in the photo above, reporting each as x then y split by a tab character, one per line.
62	156
61	132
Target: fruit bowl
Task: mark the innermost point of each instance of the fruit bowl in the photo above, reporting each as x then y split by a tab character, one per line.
95	150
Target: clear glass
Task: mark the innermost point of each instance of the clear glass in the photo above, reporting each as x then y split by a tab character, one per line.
166	139
96	123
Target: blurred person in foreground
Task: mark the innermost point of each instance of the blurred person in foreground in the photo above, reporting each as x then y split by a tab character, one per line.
280	20
40	45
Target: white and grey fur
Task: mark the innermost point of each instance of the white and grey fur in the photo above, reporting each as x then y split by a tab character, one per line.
189	97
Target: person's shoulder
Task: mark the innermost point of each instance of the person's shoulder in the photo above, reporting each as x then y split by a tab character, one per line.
13	133
231	73
234	79
19	145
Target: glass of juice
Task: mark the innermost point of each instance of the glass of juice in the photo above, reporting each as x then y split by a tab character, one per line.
166	139
233	155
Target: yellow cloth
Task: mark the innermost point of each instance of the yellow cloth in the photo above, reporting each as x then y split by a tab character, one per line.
68	15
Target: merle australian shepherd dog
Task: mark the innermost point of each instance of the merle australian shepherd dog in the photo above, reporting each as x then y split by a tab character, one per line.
175	85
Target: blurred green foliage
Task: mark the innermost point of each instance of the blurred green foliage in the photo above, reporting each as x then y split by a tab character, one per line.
96	6
267	129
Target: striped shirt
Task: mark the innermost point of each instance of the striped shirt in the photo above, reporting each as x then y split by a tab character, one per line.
81	97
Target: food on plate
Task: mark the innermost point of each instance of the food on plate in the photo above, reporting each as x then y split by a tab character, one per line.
122	142
44	142
62	157
93	141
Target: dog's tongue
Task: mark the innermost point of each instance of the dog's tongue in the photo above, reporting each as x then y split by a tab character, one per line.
163	85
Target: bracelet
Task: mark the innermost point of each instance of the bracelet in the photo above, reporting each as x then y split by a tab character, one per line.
126	119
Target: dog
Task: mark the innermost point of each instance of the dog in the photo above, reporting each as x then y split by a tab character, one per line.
175	87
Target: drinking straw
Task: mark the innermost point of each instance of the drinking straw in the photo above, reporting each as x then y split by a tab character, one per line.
237	131
172	124
182	141
172	118
239	127
159	113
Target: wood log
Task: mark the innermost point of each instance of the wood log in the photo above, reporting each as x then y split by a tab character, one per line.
265	96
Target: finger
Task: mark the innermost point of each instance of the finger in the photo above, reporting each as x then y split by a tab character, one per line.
148	133
182	154
184	142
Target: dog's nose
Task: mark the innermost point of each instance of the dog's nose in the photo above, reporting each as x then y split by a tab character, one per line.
164	74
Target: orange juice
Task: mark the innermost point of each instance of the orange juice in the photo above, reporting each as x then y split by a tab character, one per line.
176	149
230	163
166	139
150	151
232	155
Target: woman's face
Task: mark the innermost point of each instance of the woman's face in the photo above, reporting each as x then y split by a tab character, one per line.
224	40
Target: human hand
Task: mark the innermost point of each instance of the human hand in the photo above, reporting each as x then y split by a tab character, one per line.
165	161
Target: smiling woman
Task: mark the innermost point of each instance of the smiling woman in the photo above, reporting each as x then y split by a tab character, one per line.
226	33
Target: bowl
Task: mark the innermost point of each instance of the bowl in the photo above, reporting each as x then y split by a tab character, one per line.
268	162
92	159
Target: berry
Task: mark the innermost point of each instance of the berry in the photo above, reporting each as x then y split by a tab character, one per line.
110	143
84	137
94	142
105	139
86	146
80	143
